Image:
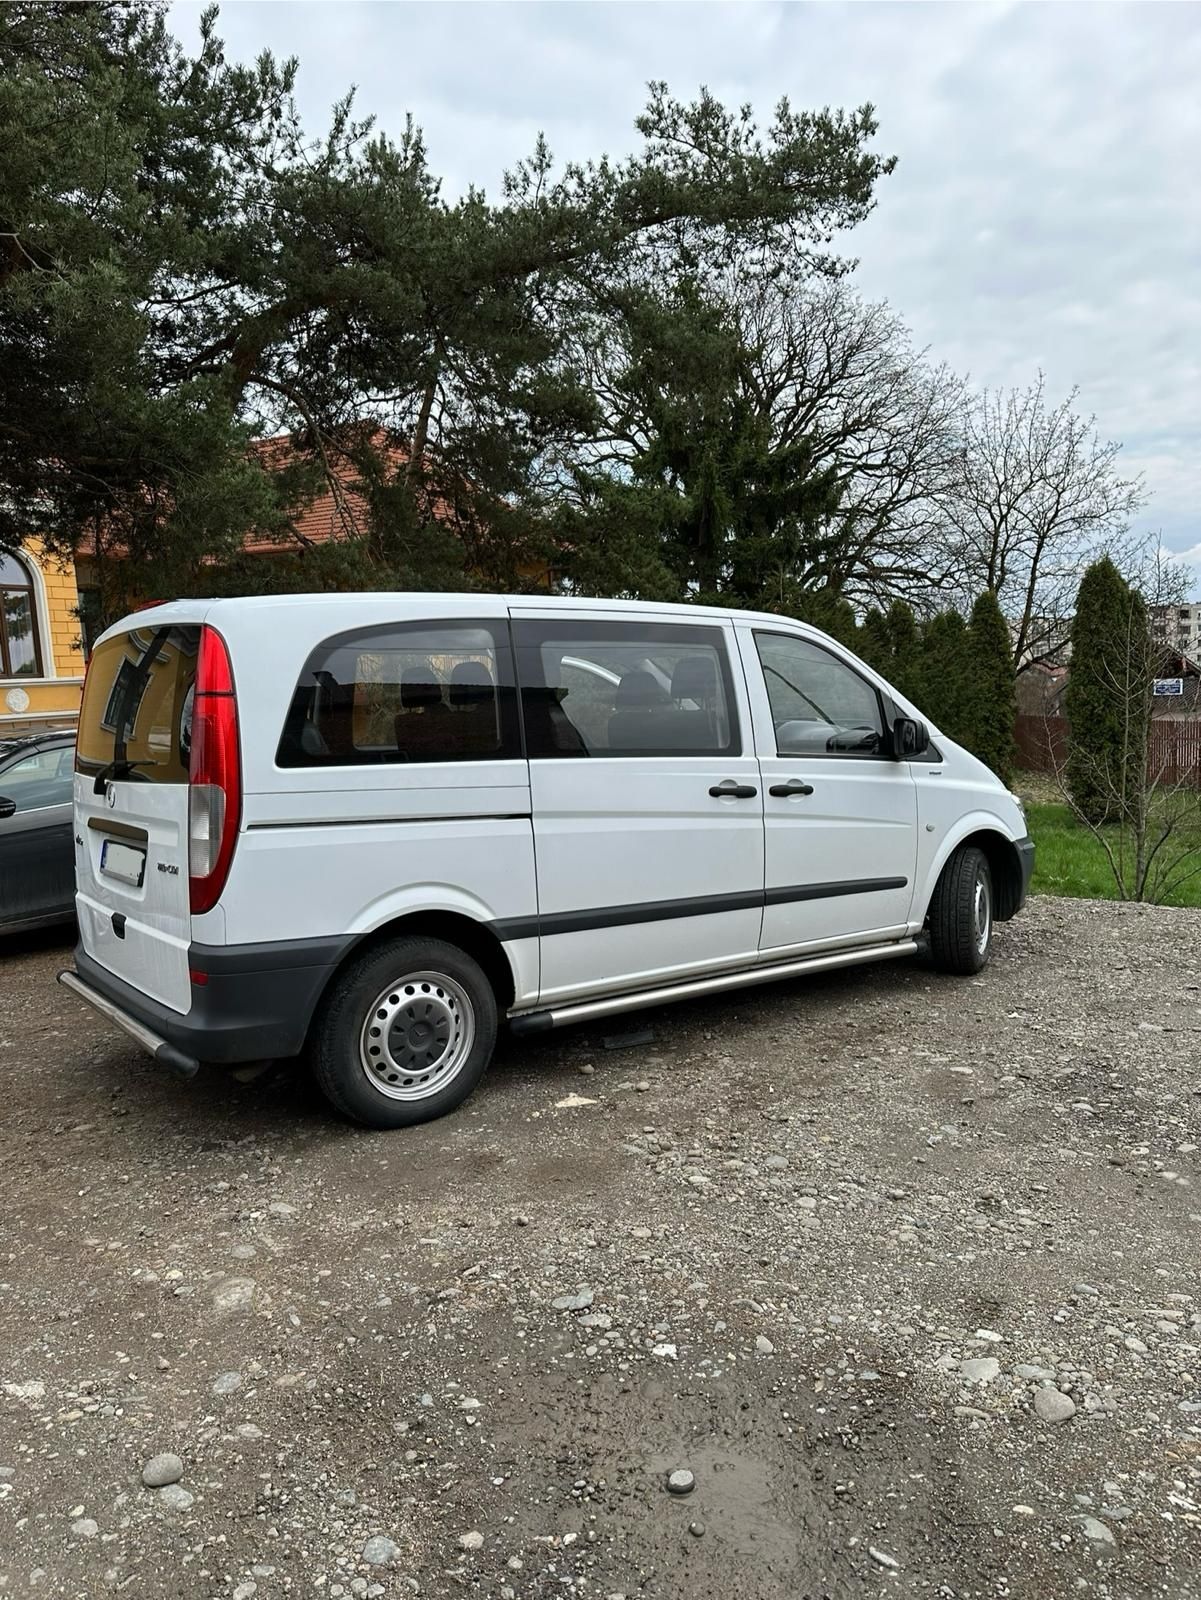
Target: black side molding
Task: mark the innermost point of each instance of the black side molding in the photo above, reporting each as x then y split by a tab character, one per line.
702	905
220	960
831	891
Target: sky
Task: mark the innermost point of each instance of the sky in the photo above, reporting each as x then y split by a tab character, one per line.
1045	212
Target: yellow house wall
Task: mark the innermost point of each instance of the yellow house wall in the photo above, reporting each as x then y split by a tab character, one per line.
62	597
53	699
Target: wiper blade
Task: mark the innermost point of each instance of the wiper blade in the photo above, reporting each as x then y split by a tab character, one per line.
119	767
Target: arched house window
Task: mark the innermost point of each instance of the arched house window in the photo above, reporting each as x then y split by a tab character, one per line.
20	646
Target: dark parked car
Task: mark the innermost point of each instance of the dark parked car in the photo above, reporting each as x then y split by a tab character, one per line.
37	859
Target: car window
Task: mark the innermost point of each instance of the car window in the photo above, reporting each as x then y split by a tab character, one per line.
819	704
137	704
625	689
421	692
38	779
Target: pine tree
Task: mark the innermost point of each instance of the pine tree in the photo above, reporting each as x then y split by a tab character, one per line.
127	175
947	685
875	643
905	669
182	267
825	609
993	697
710	507
1105	699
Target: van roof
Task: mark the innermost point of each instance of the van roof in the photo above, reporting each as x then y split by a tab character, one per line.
416	601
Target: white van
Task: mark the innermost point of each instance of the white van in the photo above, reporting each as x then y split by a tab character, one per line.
367	827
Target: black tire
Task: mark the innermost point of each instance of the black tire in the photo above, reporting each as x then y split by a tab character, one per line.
957	942
369	1053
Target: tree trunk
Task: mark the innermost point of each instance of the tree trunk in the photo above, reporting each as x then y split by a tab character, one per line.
415	466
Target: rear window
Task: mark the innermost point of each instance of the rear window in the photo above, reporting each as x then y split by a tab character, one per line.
136	717
418	692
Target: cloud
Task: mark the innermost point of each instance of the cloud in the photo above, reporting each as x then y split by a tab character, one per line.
1045	211
1189	559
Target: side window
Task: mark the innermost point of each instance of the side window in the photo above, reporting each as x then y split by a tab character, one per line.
819	705
405	692
38	780
625	689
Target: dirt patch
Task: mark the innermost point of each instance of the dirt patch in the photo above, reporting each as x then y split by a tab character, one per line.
821	1246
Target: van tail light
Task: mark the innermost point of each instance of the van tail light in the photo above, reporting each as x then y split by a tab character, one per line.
214	774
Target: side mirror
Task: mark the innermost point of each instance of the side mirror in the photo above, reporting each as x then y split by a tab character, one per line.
8	808
909	738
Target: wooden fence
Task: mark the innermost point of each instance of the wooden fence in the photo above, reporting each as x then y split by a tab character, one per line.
1175	753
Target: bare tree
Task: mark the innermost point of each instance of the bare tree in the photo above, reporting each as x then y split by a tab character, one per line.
841	374
1038	495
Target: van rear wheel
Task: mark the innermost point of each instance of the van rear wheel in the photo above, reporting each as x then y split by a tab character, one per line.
405	1033
961	917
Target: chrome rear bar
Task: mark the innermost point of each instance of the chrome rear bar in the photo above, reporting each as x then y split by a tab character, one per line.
165	1054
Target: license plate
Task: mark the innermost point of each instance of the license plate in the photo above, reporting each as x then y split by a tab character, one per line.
123	862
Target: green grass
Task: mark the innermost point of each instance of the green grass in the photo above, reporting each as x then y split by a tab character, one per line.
1068	860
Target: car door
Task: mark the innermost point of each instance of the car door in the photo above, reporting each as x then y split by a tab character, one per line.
37	861
840	815
648	816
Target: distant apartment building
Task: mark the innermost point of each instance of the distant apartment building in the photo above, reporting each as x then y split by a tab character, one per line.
1048	640
1177	628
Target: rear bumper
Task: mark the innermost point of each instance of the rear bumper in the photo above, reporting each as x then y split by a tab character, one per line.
257	1003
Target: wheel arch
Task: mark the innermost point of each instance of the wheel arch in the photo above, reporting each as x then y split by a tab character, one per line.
475	938
1004	864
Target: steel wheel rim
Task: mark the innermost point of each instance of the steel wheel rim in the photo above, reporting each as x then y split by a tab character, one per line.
982	915
416	1036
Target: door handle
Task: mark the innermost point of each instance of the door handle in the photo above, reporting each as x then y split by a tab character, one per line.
730	790
782	791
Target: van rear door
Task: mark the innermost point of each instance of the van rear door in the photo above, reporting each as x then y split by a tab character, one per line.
131	806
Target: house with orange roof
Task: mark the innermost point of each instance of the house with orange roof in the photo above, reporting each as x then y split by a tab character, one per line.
45	635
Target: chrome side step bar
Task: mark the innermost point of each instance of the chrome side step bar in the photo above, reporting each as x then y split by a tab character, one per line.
165	1054
587	1010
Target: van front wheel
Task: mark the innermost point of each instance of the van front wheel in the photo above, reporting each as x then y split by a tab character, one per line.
961	913
405	1034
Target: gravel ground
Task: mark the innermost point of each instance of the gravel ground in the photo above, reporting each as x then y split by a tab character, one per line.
903	1270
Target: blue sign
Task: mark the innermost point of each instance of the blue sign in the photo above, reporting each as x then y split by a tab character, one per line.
1168	686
